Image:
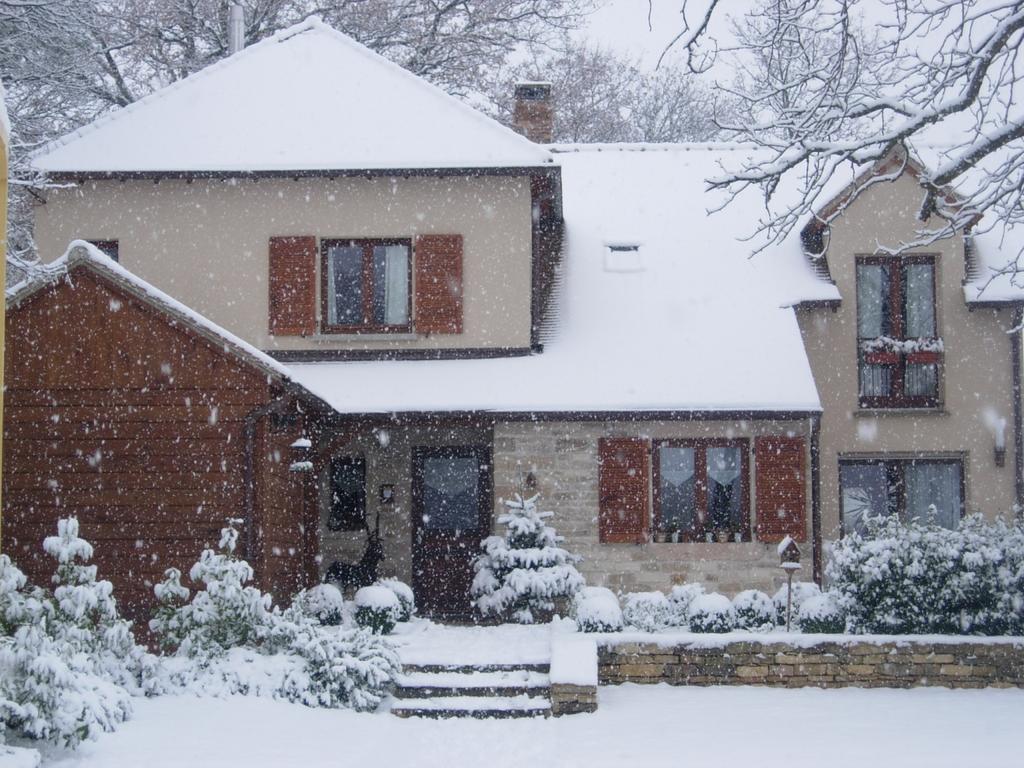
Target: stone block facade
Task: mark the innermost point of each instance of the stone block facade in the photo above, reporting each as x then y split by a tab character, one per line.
573	699
858	663
562	458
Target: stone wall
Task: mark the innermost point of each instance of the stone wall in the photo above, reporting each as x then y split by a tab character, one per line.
828	664
562	457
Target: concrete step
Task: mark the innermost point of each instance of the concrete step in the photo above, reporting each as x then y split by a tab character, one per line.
473	706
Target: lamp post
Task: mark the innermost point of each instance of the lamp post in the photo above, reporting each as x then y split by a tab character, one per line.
789	561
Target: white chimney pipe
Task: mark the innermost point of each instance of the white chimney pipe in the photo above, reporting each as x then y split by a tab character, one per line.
236	29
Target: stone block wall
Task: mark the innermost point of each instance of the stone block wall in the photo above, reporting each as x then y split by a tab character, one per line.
870	664
562	457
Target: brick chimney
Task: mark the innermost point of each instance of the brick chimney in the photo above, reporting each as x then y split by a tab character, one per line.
534	115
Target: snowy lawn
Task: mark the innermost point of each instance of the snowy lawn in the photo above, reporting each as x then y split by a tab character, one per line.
636	725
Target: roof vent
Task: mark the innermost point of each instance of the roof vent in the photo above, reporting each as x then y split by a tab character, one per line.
236	29
623	257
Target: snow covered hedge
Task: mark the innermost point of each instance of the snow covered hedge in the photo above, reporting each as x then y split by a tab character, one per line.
900	578
229	639
522	573
68	663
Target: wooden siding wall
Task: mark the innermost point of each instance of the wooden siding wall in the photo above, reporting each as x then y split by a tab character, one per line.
129	421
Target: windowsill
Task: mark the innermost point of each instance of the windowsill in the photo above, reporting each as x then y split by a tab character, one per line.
324	338
875	412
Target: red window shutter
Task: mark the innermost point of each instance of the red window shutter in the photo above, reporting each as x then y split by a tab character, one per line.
781	488
624	470
293	285
438	305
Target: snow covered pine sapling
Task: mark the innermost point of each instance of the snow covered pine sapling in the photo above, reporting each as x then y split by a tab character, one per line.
68	662
522	573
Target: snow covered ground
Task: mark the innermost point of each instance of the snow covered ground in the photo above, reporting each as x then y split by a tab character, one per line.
636	725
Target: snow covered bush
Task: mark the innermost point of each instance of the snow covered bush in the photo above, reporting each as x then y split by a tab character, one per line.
821	614
230	639
754	610
918	577
323	602
711	613
596	609
406	599
68	663
647	611
679	599
377	609
223	614
522	573
802	590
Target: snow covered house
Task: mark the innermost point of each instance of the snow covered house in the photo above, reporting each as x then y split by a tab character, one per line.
486	315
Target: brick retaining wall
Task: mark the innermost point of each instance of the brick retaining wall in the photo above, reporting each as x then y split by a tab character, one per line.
891	663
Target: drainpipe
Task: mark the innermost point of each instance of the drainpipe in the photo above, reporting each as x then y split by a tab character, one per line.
1018	428
249	482
816	556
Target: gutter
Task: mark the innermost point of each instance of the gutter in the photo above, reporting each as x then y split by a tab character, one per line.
816	547
1018	427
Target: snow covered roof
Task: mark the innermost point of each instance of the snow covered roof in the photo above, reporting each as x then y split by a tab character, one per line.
306	99
996	252
79	253
687	322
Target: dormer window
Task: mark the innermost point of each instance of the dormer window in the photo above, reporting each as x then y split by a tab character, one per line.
623	257
899	352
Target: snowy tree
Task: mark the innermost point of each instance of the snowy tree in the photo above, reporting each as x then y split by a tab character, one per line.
522	573
932	72
68	662
225	613
601	96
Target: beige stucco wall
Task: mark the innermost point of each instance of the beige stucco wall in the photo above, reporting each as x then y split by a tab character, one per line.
563	457
206	242
977	381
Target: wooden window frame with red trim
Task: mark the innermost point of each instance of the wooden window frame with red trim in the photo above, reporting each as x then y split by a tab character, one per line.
367	326
899	362
700	446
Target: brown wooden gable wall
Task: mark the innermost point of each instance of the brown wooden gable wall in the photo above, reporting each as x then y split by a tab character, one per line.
128	420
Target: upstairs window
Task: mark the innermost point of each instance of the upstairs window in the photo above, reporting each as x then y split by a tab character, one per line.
109	248
899	352
366	285
929	490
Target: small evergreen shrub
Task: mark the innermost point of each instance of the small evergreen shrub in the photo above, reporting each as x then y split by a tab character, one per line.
647	611
711	613
406	599
521	574
679	599
802	590
596	609
324	603
821	614
377	609
230	639
754	610
68	663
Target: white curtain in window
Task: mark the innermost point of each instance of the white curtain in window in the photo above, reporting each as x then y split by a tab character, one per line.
932	483
872	285
865	494
724	465
920	302
396	279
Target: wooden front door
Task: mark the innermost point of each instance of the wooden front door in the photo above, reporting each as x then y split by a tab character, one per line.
451	515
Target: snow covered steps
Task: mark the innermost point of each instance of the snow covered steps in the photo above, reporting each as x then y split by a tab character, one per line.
481	691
